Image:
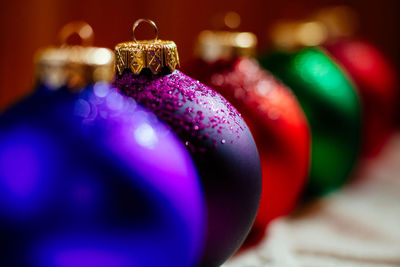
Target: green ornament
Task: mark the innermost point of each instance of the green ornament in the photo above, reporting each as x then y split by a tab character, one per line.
331	104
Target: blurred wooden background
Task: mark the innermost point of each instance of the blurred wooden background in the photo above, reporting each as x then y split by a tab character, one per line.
27	25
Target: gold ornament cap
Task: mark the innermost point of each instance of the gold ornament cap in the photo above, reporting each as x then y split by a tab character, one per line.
74	66
154	55
294	34
215	45
340	21
325	25
225	44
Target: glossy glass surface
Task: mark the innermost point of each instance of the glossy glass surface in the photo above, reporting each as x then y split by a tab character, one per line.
332	107
93	179
377	85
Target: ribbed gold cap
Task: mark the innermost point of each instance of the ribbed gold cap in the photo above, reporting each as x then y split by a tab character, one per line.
74	66
341	21
146	54
326	24
215	45
293	34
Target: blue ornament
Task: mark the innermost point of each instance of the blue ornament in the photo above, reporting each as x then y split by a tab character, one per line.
93	179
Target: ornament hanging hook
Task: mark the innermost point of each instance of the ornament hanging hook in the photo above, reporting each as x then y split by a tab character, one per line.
136	24
81	28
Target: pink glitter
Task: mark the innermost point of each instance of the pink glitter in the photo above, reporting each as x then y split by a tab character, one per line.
201	117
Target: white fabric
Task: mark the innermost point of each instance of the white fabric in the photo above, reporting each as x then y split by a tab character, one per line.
356	226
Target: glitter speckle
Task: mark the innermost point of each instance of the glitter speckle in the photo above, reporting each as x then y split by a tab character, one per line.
194	111
254	91
223	141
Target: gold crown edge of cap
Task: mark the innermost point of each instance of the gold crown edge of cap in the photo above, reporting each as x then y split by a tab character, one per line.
68	49
225	38
73	65
224	44
146	54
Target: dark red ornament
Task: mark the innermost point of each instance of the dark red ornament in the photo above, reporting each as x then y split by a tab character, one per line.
376	81
370	70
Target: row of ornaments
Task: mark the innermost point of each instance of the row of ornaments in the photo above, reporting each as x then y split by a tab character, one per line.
320	105
154	170
111	125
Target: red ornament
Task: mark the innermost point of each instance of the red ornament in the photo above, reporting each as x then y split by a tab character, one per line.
277	123
376	81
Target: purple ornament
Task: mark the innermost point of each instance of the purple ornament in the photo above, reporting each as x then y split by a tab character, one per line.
95	180
221	145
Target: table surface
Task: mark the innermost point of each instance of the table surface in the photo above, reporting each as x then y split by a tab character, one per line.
356	226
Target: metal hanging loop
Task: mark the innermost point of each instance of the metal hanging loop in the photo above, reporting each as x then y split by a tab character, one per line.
136	24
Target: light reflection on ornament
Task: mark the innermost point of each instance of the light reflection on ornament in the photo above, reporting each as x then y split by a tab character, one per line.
146	136
101	89
82	108
273	114
264	87
115	101
322	75
26	163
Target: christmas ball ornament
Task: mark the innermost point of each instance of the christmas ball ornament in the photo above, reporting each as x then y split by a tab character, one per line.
213	131
334	29
376	80
272	112
371	71
331	105
90	178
